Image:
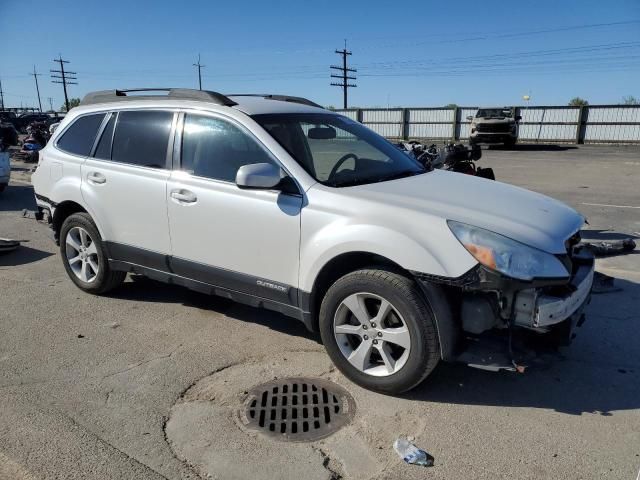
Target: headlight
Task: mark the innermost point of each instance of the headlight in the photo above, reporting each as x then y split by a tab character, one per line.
507	256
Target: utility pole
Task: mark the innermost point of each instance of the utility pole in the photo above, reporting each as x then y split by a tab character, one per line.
1	96
51	103
66	77
199	74
345	74
35	76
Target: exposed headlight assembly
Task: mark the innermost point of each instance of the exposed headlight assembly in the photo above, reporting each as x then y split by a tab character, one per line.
507	256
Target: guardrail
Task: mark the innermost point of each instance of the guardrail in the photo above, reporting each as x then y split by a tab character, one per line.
539	124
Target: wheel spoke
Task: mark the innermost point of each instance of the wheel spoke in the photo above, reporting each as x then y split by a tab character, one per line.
385	352
360	357
83	238
91	249
355	303
73	242
74	260
399	336
93	264
84	272
348	329
383	311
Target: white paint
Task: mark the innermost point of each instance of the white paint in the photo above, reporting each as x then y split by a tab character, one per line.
606	205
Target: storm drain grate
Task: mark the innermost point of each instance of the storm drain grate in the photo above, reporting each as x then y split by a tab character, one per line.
297	409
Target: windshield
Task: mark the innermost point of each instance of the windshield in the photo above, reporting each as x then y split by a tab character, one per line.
338	151
493	112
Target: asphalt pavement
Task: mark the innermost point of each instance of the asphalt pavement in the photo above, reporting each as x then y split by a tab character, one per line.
146	383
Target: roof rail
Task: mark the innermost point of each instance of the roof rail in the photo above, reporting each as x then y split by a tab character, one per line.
104	96
282	98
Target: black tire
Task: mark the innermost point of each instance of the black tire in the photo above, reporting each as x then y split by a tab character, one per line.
510	143
106	279
407	298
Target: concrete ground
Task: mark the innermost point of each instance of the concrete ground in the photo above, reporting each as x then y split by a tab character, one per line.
145	383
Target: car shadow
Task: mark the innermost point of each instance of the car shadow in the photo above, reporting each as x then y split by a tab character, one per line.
534	147
143	289
16	198
21	256
598	374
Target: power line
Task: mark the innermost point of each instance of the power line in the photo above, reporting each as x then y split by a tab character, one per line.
345	74
199	73
1	96
35	77
68	78
50	103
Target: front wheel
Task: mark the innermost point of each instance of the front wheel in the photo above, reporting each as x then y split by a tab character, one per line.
379	330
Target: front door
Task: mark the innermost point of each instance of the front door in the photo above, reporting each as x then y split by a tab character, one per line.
243	240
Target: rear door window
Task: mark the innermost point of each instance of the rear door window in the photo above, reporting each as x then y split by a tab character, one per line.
103	150
141	138
79	137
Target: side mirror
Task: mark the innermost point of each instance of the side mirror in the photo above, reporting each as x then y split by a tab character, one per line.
469	117
518	118
258	175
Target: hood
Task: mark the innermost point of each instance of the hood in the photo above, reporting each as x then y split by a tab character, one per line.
528	217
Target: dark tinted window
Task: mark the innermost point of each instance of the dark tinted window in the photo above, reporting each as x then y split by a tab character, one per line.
79	137
216	149
104	145
141	138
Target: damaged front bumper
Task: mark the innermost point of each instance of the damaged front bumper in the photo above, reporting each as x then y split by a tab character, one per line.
540	308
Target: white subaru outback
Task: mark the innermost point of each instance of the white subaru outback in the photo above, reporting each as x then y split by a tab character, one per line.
276	202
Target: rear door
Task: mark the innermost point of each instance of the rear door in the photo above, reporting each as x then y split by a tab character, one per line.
124	185
244	240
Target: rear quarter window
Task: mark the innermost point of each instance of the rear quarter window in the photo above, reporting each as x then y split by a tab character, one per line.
79	137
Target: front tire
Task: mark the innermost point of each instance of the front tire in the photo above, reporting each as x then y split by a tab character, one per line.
379	330
84	256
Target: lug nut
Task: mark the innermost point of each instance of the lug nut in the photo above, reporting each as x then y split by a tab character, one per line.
364	327
366	337
379	334
375	342
373	325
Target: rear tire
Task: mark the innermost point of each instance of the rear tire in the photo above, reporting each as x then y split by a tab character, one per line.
84	256
390	344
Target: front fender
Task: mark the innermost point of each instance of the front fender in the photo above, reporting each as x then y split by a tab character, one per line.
319	248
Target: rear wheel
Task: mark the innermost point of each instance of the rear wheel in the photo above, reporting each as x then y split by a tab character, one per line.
84	256
379	330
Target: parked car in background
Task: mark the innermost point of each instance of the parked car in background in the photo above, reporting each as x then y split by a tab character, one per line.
494	125
276	202
5	168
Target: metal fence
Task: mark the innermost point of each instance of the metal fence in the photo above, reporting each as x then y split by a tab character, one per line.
539	124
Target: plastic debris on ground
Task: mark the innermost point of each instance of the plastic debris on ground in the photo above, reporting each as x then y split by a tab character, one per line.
609	247
412	454
8	245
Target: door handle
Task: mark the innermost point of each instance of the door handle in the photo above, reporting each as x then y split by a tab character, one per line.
96	177
183	196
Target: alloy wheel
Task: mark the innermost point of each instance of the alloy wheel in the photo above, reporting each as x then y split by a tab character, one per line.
82	254
371	334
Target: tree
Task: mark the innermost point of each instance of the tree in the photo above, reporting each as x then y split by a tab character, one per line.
578	102
451	105
630	100
73	102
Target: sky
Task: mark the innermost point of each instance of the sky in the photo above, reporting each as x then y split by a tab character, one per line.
410	53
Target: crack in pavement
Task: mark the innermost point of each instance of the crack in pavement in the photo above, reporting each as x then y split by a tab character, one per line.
143	362
330	464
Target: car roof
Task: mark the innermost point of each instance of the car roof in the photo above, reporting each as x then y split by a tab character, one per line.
250	104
